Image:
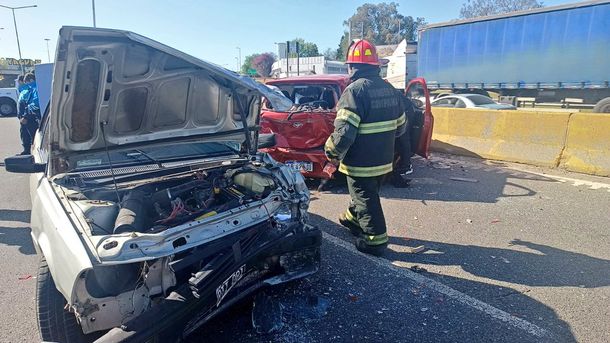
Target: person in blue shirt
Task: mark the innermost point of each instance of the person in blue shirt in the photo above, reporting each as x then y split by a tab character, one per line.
29	112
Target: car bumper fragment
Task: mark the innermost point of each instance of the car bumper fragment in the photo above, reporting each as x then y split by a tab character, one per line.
189	306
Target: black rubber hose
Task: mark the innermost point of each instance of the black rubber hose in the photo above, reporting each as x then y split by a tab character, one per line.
132	213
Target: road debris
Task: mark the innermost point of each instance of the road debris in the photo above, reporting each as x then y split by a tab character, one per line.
25	277
495	221
469	221
266	314
418	269
463	179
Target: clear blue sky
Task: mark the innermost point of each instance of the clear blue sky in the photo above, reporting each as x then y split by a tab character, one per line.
207	29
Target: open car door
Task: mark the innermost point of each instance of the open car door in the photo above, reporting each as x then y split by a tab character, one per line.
421	126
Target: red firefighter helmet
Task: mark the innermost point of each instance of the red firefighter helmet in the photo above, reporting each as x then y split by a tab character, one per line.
361	51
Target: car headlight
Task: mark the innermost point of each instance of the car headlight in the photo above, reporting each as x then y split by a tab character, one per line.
286	212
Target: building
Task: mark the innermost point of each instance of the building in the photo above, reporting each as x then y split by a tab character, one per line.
306	66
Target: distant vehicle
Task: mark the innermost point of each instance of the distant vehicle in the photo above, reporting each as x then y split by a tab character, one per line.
469	101
8	101
555	54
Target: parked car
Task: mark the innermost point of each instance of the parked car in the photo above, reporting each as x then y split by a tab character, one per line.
8	101
151	208
302	131
469	101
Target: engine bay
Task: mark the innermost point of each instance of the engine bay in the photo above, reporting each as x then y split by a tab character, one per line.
161	204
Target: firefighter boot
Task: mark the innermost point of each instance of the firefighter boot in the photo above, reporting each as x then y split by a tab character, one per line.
372	244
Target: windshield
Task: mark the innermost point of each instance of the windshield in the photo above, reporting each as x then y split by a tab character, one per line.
480	99
153	154
323	96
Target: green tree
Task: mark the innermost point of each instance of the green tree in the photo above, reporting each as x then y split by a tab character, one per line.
330	54
380	24
306	49
263	63
248	63
479	8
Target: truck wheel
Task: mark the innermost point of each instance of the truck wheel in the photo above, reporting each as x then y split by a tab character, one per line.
7	107
603	106
54	323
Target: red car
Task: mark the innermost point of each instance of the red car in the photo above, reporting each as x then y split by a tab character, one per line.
300	134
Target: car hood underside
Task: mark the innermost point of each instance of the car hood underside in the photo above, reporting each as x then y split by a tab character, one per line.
113	87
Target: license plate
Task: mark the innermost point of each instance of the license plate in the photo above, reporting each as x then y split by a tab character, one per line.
300	165
227	285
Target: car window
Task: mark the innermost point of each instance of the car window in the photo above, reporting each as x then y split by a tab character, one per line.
445	102
325	96
460	104
480	99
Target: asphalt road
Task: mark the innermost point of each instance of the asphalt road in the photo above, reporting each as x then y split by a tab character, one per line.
520	255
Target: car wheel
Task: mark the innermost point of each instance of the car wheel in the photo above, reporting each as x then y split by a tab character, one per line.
603	106
7	107
55	324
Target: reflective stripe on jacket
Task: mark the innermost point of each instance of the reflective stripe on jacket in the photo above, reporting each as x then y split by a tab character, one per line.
369	116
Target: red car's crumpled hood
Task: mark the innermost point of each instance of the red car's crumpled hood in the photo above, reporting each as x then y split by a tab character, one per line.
299	130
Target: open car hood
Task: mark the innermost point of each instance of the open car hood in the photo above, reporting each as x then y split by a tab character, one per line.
115	88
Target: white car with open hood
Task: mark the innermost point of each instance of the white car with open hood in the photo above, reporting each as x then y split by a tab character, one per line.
151	207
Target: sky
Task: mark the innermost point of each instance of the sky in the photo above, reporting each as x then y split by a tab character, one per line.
210	30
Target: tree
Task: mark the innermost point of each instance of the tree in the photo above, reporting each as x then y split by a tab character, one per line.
263	63
380	24
479	8
330	54
248	63
306	49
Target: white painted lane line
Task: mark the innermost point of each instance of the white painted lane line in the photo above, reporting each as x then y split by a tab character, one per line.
445	290
574	182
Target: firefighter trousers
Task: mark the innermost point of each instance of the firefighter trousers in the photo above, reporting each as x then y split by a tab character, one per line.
365	206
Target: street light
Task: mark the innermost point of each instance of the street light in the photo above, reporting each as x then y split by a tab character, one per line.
239	65
48	54
93	8
16	32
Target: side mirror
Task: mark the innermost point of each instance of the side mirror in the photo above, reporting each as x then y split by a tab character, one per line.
266	140
23	164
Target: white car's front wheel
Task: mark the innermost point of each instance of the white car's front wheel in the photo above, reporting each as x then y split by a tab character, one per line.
55	324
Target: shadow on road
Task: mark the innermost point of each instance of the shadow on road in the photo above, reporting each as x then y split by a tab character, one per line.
542	266
547	267
432	181
22	216
17	236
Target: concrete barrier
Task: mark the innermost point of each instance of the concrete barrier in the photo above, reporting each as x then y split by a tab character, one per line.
587	148
531	137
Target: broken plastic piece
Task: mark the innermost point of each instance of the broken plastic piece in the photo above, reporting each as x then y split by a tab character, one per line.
266	314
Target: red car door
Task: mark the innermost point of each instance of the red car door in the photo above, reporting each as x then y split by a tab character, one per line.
417	92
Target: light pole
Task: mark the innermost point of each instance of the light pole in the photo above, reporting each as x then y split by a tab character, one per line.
16	32
239	65
48	53
93	8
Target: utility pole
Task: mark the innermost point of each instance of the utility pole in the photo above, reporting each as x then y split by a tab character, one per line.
48	53
93	8
16	32
239	49
349	33
287	58
298	57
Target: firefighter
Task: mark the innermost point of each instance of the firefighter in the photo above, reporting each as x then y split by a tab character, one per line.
369	118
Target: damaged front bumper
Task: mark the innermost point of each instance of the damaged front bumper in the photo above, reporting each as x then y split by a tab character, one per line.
251	263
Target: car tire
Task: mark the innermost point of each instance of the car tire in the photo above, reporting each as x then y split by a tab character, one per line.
7	107
602	106
55	324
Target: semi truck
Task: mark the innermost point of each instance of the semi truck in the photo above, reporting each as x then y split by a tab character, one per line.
553	55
